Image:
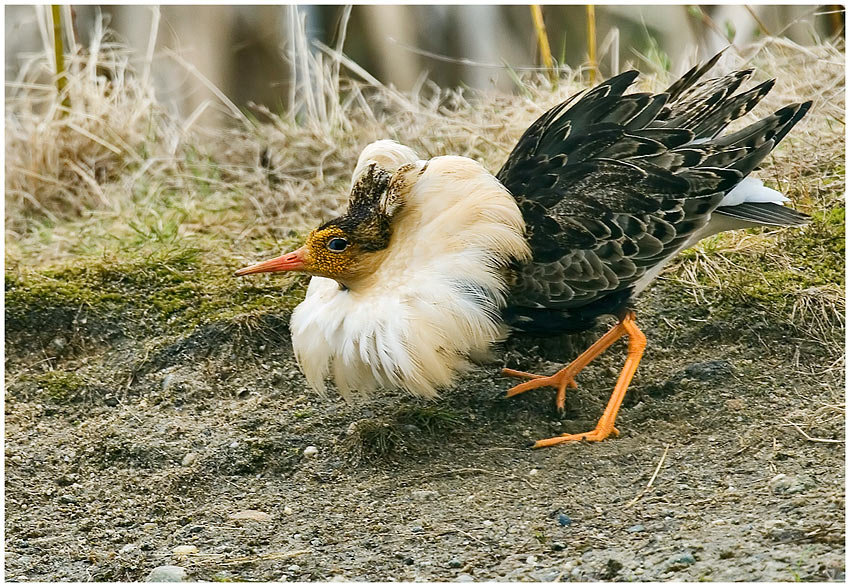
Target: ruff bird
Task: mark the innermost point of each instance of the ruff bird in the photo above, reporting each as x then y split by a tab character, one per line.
435	260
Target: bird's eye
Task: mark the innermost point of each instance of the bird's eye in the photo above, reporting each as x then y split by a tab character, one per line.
337	244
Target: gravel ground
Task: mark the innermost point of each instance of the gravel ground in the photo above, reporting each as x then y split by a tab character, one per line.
217	463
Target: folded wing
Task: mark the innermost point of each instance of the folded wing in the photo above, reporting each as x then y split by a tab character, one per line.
611	185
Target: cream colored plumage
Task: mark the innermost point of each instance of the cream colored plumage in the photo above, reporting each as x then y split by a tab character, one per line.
414	323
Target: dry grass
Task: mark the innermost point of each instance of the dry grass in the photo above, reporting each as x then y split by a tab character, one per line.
115	173
63	159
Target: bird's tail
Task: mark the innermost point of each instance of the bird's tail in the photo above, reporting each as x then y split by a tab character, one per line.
750	201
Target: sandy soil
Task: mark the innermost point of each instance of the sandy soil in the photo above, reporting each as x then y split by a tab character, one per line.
202	449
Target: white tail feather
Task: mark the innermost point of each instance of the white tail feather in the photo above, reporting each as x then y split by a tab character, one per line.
752	190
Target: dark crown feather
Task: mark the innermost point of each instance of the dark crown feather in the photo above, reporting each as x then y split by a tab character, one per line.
375	198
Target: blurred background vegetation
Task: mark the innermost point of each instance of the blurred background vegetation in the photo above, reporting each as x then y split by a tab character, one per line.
250	53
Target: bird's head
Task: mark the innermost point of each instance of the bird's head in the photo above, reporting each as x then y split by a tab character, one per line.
351	246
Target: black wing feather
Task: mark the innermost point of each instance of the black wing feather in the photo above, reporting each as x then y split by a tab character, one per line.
611	184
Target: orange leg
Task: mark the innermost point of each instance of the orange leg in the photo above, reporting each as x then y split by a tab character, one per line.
566	376
605	426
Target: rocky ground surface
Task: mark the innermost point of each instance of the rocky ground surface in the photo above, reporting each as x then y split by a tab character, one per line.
213	461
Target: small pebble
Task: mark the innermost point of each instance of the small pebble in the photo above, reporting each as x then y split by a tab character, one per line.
127	548
465	578
185	549
255	515
558	546
455	563
417	529
680	561
190	459
149	527
287	510
532	472
167	574
68	498
311	451
564	520
234	444
424	495
531	560
636	528
293	568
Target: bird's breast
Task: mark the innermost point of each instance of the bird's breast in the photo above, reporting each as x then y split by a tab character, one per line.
415	336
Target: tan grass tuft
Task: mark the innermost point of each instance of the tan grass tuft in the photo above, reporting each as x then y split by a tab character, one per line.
67	153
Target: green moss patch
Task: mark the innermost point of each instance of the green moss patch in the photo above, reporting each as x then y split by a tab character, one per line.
165	289
60	387
791	282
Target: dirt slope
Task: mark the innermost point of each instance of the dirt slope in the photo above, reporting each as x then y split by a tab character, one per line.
102	483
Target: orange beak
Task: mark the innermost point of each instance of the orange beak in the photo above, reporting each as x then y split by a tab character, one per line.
294	261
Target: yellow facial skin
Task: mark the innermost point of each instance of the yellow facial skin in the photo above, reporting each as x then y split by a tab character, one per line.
327	263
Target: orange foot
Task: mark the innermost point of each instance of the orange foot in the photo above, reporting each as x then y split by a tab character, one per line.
560	380
566	376
594	435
